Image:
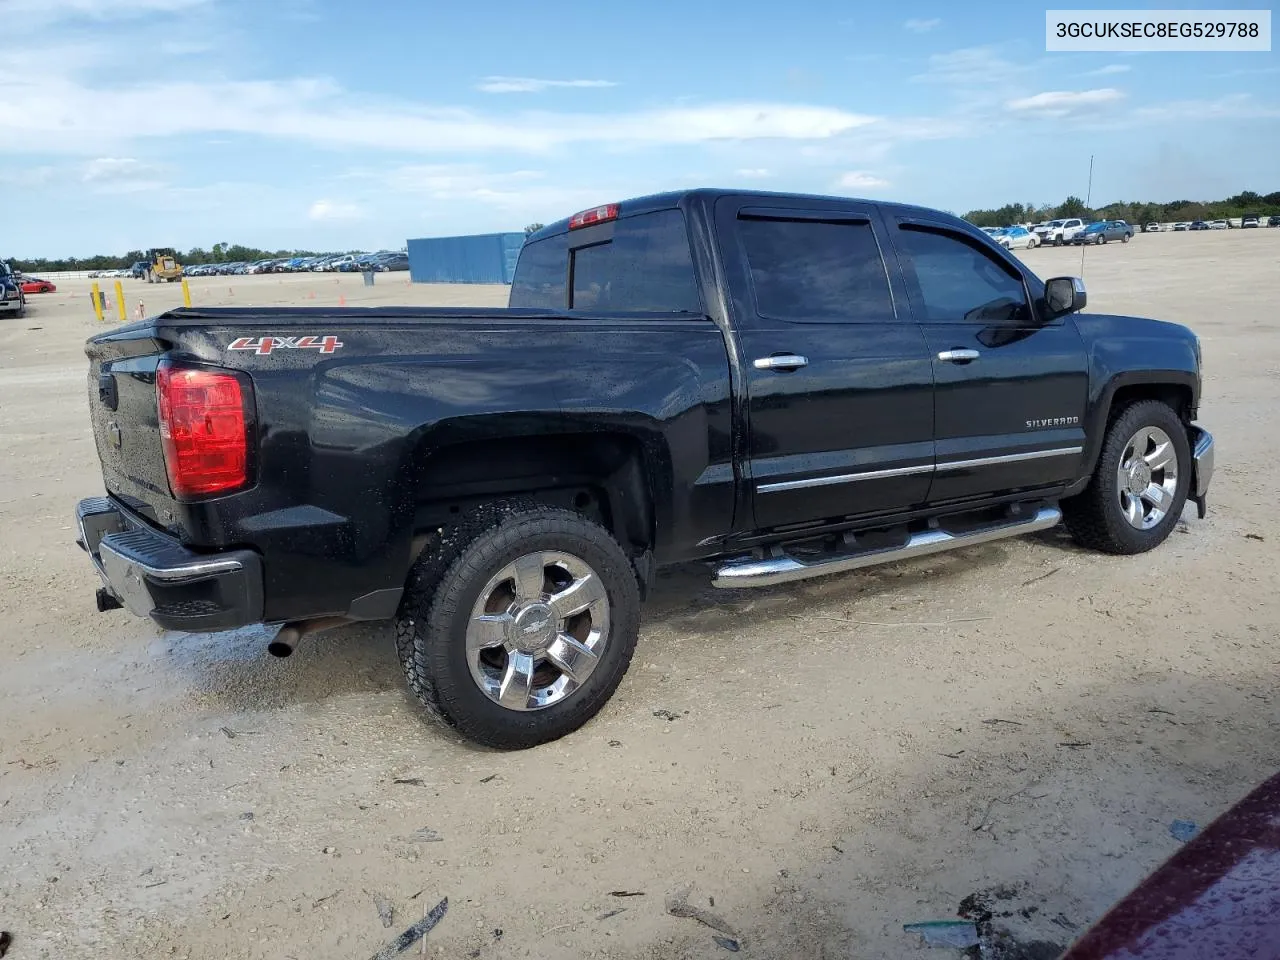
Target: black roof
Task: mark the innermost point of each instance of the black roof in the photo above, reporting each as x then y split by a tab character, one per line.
681	198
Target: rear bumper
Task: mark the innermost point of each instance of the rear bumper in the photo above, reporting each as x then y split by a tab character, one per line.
155	576
1202	467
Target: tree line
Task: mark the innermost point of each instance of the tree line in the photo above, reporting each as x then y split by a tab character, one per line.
1245	204
219	253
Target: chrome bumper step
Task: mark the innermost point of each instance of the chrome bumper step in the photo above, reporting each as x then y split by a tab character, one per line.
783	568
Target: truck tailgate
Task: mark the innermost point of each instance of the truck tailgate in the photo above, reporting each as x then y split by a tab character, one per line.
122	409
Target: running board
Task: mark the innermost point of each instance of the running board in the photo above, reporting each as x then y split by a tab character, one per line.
783	568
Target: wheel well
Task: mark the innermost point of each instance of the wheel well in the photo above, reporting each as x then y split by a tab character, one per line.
600	475
1175	395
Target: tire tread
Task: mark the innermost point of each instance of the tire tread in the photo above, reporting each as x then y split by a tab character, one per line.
440	578
1090	516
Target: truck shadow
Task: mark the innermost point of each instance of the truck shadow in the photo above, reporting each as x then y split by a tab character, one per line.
235	668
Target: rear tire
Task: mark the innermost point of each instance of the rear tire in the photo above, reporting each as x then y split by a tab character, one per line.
489	618
1139	485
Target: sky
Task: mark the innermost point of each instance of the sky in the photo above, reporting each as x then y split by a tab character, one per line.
337	124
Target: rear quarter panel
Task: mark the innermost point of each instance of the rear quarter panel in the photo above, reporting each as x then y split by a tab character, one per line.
333	507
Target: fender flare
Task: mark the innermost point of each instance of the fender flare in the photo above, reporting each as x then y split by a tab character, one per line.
1101	409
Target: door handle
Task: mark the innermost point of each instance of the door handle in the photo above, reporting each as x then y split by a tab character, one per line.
781	361
957	355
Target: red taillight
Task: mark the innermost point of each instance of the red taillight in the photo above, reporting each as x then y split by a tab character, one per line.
595	215
203	429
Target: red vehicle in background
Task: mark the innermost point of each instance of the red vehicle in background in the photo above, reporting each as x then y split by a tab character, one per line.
1218	898
36	285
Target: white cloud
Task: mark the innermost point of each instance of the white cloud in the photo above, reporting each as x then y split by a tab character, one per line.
448	181
1108	70
754	173
1059	103
28	176
334	210
112	168
94	9
61	114
185	48
922	26
861	180
972	66
1247	72
1236	106
533	85
121	175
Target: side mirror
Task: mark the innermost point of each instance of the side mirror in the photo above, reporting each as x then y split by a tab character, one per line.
1063	295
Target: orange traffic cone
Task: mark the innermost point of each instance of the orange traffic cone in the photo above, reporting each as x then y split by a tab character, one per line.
141	311
342	301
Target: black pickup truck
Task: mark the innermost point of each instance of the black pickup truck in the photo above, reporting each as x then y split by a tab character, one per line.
785	386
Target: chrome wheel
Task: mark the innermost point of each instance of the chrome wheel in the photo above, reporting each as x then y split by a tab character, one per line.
537	630
1147	478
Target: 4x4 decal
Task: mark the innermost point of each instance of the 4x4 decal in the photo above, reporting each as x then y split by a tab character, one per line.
264	345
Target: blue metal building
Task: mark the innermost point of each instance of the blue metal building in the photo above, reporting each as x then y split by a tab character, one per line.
483	258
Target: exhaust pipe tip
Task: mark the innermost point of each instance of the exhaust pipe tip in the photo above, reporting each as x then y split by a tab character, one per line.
291	634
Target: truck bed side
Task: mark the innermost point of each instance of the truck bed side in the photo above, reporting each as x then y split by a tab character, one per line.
360	450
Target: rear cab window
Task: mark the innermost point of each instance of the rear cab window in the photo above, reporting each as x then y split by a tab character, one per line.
635	263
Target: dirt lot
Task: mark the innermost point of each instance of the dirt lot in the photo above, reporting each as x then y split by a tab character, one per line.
832	759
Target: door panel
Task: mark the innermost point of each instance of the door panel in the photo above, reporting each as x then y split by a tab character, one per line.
1010	392
848	431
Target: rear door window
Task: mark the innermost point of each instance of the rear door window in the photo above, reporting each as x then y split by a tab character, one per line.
645	266
639	263
541	271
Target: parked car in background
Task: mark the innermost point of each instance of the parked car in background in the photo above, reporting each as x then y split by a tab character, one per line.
1181	226
13	302
1013	238
1248	222
1059	232
335	264
1215	897
1151	228
1273	221
1219	225
1198	225
1103	231
36	285
396	262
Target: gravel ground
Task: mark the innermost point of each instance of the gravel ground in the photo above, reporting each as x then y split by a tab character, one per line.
822	762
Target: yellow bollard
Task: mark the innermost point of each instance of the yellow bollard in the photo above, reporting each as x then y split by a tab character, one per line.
120	300
186	293
96	294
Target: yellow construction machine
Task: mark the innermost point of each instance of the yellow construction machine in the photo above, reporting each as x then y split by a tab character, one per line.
163	265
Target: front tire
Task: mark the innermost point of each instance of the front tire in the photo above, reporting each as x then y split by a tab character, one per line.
1139	485
520	627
